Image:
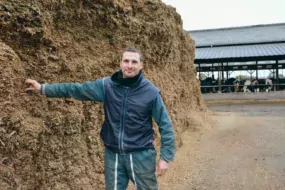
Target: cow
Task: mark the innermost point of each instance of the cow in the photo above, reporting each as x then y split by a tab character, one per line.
265	85
245	85
208	85
231	85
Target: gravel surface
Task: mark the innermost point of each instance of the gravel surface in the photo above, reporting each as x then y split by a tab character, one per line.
244	151
250	108
245	96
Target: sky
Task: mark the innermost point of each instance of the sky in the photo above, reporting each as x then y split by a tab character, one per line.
207	14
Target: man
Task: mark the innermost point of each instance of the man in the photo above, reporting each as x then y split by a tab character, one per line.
130	102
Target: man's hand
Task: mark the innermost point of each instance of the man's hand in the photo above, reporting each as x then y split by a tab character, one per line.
36	87
161	168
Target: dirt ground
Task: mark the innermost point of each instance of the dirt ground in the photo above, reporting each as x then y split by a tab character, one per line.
244	149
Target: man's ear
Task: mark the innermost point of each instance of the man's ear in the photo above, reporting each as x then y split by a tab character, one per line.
142	64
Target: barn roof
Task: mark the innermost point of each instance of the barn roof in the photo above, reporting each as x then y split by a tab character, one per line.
260	42
239	35
240	53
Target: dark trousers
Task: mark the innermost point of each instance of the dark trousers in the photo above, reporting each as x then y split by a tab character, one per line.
139	167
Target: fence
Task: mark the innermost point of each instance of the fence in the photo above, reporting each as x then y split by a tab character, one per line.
240	88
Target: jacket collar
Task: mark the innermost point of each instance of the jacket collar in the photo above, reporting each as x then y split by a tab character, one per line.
118	79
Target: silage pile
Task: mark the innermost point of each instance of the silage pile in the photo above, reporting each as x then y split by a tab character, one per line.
54	143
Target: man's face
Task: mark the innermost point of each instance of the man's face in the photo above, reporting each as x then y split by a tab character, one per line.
130	64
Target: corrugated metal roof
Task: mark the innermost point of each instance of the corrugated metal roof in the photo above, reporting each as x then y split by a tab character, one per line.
242	51
239	35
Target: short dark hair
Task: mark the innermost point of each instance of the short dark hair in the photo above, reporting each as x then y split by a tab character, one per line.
135	50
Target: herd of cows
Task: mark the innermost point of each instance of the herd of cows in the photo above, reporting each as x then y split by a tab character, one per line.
210	85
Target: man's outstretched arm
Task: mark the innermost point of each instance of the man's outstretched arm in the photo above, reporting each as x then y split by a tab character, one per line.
87	91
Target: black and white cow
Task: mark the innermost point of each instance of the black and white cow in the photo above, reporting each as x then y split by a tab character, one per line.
208	85
232	85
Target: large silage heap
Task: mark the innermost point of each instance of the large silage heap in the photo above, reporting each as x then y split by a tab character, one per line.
54	143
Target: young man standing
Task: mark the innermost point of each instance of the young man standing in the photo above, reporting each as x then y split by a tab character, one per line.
130	102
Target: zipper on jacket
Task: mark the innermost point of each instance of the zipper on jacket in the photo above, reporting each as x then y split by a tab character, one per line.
121	137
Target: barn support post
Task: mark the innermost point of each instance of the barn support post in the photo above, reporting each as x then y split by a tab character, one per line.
199	68
223	77
219	81
256	71
227	71
213	77
277	75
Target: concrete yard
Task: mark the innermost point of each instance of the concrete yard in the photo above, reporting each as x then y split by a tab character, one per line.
243	151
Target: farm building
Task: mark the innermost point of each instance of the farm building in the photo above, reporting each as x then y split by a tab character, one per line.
254	49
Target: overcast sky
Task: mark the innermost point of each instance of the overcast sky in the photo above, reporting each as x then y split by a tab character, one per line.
206	14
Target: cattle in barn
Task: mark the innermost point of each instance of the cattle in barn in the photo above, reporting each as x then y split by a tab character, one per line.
231	85
208	85
254	85
261	85
265	85
237	85
269	84
223	87
245	85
